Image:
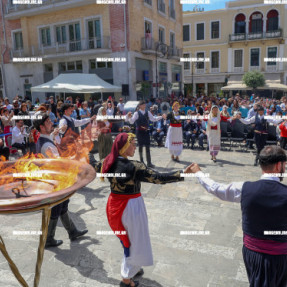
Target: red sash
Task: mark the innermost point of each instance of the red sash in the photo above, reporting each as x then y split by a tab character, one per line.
265	246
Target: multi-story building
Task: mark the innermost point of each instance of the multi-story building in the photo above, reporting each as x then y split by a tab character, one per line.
234	40
70	35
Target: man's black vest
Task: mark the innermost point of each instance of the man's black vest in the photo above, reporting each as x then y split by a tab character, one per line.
41	141
142	120
261	124
264	208
70	125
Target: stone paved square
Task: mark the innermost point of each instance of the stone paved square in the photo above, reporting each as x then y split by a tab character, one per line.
179	260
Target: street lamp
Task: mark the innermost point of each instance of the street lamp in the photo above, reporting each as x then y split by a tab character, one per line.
163	48
196	65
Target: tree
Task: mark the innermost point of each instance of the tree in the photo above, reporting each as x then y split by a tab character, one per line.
145	89
253	79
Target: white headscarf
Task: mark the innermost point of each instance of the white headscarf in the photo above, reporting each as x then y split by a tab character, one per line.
210	117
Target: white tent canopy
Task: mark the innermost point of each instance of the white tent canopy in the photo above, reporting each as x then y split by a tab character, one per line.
77	83
269	85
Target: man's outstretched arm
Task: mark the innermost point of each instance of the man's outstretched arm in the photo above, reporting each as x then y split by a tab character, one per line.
228	192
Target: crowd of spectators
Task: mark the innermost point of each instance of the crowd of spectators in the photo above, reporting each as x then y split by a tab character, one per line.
19	133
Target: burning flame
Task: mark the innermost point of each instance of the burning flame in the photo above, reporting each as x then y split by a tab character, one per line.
35	174
75	146
38	172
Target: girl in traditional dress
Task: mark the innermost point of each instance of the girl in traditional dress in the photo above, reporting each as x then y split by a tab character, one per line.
213	132
105	139
174	134
126	210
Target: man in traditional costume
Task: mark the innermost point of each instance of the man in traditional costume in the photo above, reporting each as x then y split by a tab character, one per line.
45	146
174	134
141	119
105	138
260	130
264	218
126	210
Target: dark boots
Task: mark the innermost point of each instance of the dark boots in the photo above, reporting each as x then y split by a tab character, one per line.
51	242
141	153
70	227
148	157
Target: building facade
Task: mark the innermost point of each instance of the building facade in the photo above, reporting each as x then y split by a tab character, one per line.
234	40
69	37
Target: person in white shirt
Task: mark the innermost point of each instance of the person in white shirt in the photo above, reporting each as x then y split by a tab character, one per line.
110	107
69	122
261	128
46	146
18	136
264	217
8	105
121	106
141	119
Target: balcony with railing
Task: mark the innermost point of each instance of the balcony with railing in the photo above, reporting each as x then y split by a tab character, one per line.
272	68
199	71
91	45
148	45
174	52
14	11
214	70
161	6
171	13
254	68
238	70
255	36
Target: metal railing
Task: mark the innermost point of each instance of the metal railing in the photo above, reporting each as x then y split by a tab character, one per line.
238	69
254	68
257	35
174	51
148	43
272	68
199	71
83	44
214	70
11	8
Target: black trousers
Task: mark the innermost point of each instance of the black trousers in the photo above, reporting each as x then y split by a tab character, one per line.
260	141
283	142
264	270
59	209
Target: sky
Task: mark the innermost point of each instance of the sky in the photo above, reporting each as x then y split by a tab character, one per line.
213	5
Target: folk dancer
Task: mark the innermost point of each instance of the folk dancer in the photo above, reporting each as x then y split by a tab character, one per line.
46	146
141	119
261	129
264	216
126	210
174	134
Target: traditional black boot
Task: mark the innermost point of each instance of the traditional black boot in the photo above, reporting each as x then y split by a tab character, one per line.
141	153
51	242
70	227
256	160
148	157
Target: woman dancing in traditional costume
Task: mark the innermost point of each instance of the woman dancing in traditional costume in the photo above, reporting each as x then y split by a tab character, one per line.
126	210
213	132
174	134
